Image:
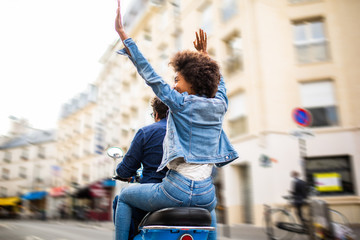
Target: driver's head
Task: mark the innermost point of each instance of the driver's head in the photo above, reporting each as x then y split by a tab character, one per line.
159	108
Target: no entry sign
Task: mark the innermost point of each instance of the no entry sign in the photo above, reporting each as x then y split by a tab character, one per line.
302	117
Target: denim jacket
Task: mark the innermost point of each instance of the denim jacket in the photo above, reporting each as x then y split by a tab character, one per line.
194	128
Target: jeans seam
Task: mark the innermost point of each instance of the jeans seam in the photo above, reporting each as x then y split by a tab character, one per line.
203	193
171	198
172	183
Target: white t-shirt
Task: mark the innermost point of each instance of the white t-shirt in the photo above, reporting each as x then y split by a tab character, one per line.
192	171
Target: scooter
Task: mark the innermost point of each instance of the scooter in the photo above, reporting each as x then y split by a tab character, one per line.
176	223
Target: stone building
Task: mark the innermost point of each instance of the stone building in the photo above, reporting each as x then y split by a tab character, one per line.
275	55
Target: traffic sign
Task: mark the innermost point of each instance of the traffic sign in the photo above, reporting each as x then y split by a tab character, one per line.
302	117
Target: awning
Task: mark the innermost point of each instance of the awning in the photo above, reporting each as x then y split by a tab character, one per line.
34	195
58	191
10	201
109	183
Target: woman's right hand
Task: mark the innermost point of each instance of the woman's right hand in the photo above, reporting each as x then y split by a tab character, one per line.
118	23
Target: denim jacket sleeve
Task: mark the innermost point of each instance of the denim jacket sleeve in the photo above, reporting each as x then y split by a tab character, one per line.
221	92
173	99
132	159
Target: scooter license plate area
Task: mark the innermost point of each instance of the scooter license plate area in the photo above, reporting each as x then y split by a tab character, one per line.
171	234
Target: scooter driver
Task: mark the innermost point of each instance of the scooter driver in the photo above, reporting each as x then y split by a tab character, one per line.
146	149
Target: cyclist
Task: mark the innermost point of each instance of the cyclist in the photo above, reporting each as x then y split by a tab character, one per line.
299	192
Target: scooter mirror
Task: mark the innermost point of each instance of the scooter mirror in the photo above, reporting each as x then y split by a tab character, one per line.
115	152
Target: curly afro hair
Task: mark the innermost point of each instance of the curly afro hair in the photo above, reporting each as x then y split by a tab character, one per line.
199	70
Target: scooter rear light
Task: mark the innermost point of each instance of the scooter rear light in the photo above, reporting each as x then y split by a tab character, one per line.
186	237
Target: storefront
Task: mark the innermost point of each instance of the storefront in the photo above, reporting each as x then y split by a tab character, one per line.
93	202
57	206
35	203
9	207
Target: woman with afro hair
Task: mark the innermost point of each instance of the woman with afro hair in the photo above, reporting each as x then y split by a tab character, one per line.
194	142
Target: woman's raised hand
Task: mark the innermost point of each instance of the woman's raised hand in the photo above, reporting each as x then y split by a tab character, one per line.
118	23
200	42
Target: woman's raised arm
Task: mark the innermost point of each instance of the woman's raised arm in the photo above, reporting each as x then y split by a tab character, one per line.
119	26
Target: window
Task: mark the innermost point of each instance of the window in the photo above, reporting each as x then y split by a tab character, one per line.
147	35
7	157
86	172
234	48
41	152
164	18
229	9
237	115
319	98
310	41
163	58
74	175
206	19
5	174
25	154
330	175
38	174
22	172
3	191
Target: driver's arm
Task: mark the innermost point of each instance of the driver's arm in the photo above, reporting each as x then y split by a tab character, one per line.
132	159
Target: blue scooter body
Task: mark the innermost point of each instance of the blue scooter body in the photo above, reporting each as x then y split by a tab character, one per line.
168	234
188	223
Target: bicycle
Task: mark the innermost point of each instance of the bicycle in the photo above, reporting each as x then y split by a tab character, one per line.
280	224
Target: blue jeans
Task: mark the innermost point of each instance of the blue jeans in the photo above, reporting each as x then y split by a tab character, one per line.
174	191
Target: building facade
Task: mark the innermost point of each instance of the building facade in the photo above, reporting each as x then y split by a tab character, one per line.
28	161
275	56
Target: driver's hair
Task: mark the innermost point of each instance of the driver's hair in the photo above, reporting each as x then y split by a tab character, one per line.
159	107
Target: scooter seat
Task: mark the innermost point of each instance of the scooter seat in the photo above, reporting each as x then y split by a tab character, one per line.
178	216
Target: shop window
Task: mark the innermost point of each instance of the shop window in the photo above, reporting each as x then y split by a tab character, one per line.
310	42
331	175
319	98
237	115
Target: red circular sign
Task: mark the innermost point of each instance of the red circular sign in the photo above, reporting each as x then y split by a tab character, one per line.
302	117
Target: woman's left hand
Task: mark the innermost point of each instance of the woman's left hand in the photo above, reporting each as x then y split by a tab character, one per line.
200	42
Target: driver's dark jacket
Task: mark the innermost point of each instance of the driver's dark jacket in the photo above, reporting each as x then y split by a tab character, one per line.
146	148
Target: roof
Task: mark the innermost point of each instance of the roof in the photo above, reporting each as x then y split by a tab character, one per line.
34	137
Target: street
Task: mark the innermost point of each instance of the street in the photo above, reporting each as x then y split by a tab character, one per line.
78	230
52	230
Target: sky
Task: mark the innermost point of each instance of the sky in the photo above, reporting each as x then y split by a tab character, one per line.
49	53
